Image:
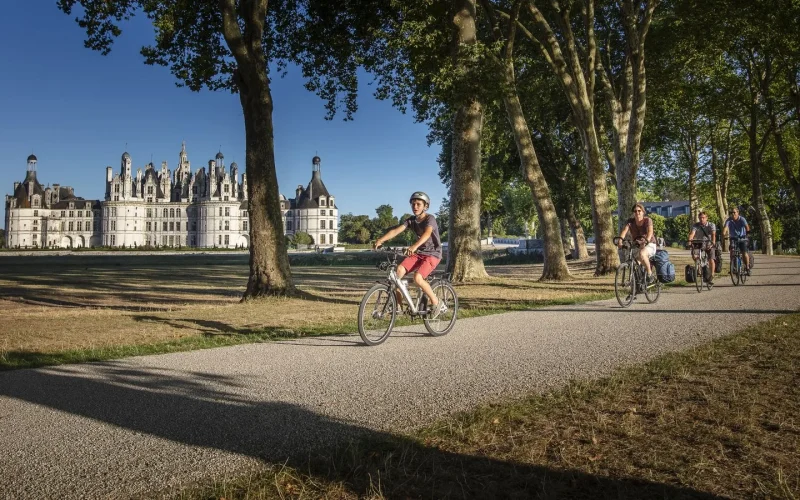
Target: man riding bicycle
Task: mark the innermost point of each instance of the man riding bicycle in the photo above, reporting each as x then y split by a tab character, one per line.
736	227
709	233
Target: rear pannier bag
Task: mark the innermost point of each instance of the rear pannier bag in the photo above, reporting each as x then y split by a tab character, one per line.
665	270
689	273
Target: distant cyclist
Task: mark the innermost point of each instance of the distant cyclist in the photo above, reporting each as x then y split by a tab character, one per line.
641	229
709	235
426	253
736	227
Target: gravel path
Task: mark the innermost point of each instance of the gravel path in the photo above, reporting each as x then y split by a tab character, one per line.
125	428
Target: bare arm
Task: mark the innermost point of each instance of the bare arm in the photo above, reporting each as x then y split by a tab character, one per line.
389	235
426	233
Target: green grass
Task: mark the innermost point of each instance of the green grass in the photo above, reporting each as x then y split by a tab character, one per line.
720	420
12	360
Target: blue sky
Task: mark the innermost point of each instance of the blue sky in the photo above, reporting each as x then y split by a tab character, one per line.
76	110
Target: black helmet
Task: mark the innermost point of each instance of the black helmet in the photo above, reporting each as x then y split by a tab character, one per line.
419	195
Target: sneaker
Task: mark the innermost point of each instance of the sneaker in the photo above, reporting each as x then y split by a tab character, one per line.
651	278
438	309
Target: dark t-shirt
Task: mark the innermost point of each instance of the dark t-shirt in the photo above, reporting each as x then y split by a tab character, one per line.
433	246
640	231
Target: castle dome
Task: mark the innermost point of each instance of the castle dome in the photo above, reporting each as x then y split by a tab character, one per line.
32	158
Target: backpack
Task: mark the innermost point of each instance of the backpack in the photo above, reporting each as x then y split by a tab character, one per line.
689	273
664	268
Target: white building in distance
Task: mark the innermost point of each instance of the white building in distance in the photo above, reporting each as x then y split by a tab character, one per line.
159	208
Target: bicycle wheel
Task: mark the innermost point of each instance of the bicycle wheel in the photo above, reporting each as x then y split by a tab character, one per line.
624	285
752	260
743	274
735	269
698	276
446	320
652	291
376	315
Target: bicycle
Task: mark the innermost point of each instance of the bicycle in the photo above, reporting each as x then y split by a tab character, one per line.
379	308
738	273
700	258
630	279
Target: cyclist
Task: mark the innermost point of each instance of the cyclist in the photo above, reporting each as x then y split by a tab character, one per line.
709	231
736	227
641	229
424	254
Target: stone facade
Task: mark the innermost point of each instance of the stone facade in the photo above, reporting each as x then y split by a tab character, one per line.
159	208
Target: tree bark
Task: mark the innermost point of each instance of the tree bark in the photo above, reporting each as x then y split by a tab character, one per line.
555	263
719	174
269	262
464	258
580	251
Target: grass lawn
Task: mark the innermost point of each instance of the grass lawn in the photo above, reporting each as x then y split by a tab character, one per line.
64	309
719	421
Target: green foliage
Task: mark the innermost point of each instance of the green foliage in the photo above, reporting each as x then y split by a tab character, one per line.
659	224
677	228
303	238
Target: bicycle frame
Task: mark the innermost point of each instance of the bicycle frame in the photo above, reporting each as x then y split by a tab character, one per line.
397	283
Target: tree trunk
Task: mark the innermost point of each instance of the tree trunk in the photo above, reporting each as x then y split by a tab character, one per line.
270	273
606	255
580	252
694	200
719	175
555	263
464	258
758	195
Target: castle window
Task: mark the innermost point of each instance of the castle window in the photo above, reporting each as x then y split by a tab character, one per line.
177	212
225	188
177	226
165	212
71	213
36	201
149	189
80	225
227	211
113	225
80	213
322	224
171	226
172	212
220	225
322	239
70	226
149	226
220	239
164	227
227	240
116	197
289	225
63	213
244	225
220	211
35	214
116	188
113	240
321	202
227	226
149	212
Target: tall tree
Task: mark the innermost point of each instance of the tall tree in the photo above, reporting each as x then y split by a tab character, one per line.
464	259
229	44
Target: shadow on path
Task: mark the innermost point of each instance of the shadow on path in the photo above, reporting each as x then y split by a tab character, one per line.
204	410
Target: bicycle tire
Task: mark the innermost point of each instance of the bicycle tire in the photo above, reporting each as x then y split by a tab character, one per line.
743	274
652	292
698	275
624	285
447	320
376	304
735	270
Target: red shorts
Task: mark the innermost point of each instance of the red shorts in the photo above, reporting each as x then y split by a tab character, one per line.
422	264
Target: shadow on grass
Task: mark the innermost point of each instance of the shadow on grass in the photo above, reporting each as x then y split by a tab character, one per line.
208	411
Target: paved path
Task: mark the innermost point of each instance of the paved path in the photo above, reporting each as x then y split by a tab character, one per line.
129	427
